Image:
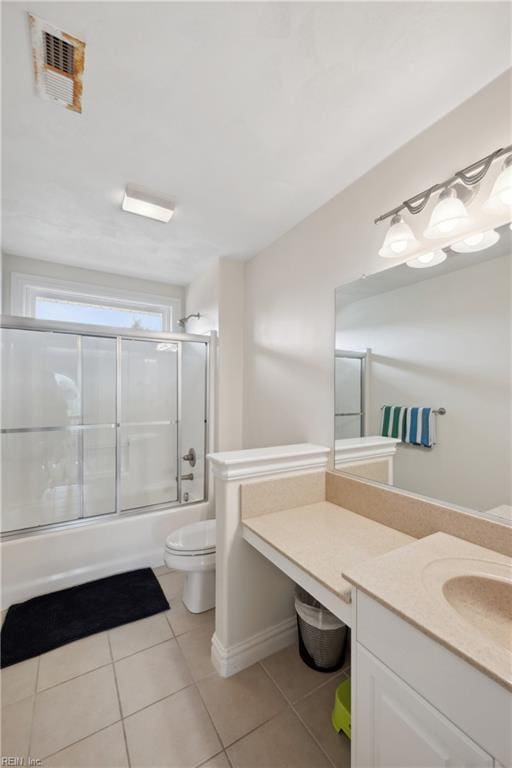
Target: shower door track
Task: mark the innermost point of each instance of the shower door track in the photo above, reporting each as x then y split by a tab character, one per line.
105	331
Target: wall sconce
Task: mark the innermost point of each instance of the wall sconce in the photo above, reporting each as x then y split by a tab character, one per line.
449	216
399	239
501	194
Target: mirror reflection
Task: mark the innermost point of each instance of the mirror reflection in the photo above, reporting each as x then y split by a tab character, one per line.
422	378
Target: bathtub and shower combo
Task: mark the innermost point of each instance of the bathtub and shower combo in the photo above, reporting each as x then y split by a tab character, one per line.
104	436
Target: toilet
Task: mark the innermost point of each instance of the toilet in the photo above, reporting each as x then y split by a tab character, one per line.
192	549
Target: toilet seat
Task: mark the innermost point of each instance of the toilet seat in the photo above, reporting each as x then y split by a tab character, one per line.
196	539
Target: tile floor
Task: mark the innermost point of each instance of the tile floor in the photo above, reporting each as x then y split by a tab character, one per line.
146	694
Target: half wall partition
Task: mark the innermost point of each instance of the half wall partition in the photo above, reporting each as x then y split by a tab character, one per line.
99	421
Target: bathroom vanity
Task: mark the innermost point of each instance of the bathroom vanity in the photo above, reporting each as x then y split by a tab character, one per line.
426	689
423	691
425	588
309	544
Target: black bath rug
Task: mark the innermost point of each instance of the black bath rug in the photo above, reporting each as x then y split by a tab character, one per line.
49	621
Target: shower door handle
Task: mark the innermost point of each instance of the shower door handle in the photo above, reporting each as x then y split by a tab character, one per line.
191	456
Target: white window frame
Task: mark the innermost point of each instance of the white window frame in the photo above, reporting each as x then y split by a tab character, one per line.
26	289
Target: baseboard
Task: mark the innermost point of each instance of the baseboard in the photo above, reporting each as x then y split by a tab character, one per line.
17	593
229	661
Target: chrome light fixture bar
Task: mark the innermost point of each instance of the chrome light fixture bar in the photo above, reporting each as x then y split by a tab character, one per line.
467	177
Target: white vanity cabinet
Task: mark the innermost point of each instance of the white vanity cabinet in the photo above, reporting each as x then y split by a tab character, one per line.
415	704
400	729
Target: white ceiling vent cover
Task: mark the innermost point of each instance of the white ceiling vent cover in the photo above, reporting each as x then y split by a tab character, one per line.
58	87
58	64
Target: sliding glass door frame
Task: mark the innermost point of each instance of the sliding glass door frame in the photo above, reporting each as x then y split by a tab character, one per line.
119	335
362	413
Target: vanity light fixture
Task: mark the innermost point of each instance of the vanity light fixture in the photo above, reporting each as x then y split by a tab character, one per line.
501	194
144	203
448	217
399	239
477	242
424	260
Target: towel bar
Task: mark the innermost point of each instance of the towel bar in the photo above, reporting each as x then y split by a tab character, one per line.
439	411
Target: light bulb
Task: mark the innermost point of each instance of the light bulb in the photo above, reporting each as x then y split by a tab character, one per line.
477	242
501	194
430	259
449	215
399	239
474	239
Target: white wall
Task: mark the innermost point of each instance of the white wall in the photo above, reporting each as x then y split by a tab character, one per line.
218	295
202	295
12	263
444	342
290	285
231	358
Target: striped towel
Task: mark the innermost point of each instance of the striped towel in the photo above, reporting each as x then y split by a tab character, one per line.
411	425
420	427
393	421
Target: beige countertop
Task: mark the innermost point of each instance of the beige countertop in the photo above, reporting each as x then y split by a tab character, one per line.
456	592
325	539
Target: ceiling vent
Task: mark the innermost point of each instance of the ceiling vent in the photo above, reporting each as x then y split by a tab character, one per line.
58	59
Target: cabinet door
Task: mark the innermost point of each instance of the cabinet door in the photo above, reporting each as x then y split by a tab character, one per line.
394	727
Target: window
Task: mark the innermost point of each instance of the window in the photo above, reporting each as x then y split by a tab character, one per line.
47	308
49	299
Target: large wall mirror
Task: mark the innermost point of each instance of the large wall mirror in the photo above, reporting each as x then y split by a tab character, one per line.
422	378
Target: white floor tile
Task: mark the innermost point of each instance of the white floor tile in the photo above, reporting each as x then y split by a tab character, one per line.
151	675
72	710
73	659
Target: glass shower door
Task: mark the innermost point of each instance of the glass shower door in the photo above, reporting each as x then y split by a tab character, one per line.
57	427
194	419
148	419
349	383
96	425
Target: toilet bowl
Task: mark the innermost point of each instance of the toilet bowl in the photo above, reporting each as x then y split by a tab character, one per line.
192	549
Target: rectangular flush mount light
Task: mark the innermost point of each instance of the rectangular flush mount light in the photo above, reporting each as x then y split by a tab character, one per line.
143	203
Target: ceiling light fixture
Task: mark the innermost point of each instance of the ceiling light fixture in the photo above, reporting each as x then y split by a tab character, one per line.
477	242
424	260
448	217
501	194
399	239
144	203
